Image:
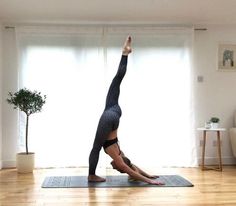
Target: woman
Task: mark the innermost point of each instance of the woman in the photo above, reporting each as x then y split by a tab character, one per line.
106	135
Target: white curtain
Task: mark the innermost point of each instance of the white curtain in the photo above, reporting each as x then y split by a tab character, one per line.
74	68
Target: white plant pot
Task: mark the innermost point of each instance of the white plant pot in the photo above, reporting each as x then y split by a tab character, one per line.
214	125
25	162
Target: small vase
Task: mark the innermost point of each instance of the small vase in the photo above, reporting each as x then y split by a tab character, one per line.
208	125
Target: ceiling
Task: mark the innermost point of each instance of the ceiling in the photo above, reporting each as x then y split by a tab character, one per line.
119	11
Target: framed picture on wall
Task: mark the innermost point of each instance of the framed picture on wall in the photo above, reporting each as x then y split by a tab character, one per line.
227	57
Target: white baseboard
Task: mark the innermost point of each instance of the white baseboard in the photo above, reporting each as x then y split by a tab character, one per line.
9	164
215	161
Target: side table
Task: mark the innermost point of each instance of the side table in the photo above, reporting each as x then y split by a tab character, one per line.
218	131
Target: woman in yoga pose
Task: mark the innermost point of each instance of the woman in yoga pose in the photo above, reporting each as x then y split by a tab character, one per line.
106	135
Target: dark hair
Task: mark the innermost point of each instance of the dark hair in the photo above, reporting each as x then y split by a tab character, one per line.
127	161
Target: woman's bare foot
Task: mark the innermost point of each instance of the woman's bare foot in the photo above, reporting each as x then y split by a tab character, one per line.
95	178
127	46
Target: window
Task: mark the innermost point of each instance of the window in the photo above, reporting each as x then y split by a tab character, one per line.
75	71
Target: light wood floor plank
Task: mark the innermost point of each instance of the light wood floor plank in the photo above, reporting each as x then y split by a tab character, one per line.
210	188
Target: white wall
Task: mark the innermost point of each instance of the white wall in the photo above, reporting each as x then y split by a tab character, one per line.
9	121
0	96
216	95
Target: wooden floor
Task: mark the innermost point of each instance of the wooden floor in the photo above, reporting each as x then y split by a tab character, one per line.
210	188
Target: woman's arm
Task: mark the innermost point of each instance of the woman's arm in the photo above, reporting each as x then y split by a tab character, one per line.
143	172
140	171
121	166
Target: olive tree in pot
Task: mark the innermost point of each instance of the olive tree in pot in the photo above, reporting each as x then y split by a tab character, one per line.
29	102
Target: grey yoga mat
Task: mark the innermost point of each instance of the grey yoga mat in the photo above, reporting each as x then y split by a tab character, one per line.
111	181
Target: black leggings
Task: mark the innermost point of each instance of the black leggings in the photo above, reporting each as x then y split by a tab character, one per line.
109	120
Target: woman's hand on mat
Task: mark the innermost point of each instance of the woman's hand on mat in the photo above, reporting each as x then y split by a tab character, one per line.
95	178
154	182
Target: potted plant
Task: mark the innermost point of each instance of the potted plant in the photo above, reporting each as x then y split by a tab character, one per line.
214	122
29	102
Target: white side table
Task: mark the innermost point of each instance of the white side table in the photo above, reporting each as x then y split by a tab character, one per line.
217	130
